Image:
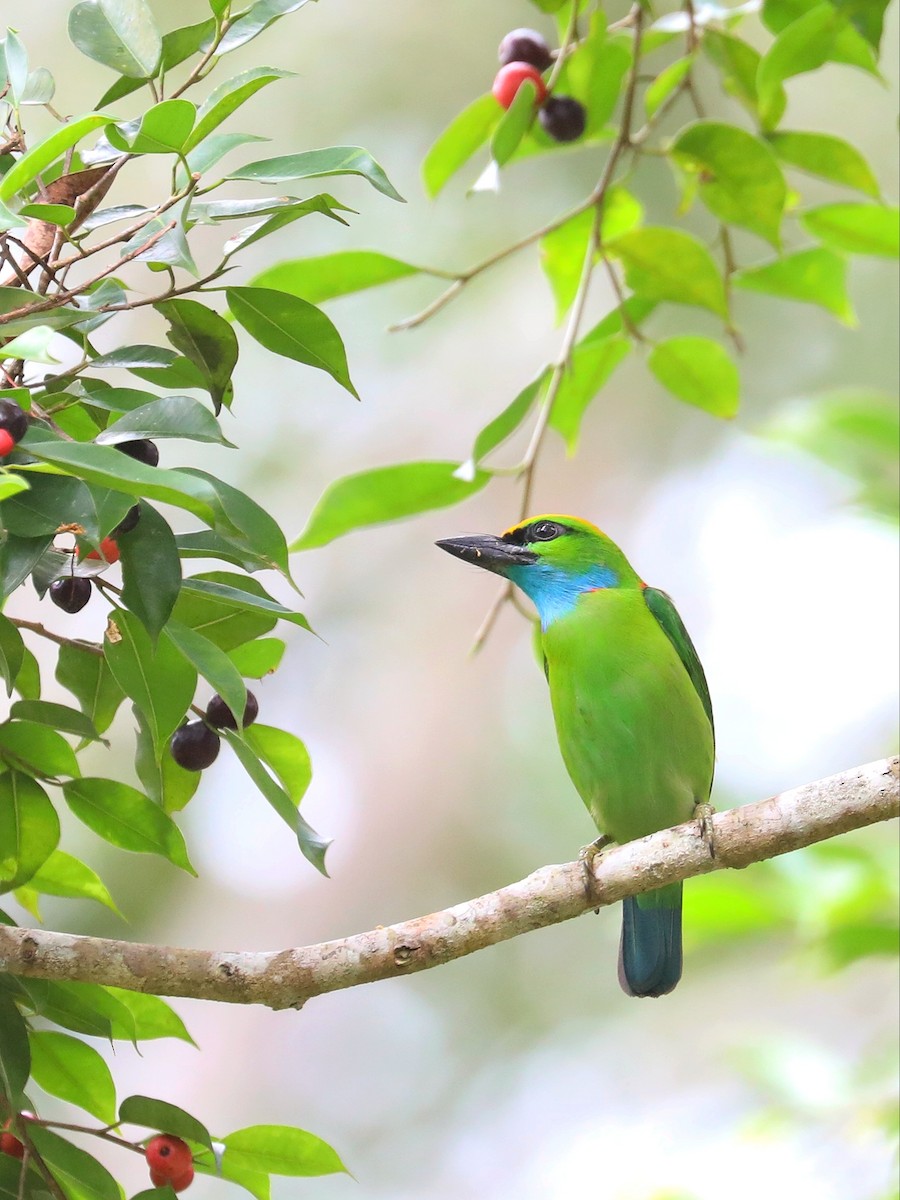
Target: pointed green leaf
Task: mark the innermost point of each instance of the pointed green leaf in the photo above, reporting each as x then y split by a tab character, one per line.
83	670
668	264
163	129
66	1067
167	417
226	622
827	157
29	829
228	97
514	123
47	151
151	570
12	652
82	1007
812	276
856	228
206	339
497	431
698	371
158	680
15	1057
385	494
63	875
79	1173
591	366
117	33
164	1117
125	817
152	1016
291	327
281	1150
665	84
250	524
330	275
167	784
738	63
317	164
57	716
255	660
211	663
37	750
459	141
250	24
243	598
285	754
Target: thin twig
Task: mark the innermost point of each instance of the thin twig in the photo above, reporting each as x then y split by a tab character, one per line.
42	631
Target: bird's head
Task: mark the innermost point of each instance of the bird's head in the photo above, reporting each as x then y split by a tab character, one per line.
553	559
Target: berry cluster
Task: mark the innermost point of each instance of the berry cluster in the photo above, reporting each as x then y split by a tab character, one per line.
170	1162
524	54
72	592
195	745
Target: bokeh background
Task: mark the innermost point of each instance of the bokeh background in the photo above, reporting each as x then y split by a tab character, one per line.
524	1072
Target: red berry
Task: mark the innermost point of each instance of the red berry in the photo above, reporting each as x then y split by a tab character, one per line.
525	45
170	1161
10	1144
109	551
7	442
511	77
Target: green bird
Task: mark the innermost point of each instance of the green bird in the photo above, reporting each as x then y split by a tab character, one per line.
630	701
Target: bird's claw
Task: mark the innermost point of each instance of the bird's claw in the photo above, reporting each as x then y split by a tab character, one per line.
703	814
586	856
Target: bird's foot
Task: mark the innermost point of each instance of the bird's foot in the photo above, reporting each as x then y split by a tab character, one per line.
703	815
586	856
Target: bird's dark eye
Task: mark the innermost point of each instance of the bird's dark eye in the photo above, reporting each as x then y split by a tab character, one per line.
545	531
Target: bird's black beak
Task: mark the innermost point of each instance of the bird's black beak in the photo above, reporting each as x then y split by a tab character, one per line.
485	550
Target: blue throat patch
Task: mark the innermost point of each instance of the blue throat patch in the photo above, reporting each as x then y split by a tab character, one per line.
554	592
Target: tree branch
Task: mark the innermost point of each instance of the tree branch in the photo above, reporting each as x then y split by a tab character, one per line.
287	978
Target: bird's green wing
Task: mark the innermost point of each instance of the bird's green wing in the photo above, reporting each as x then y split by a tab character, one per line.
666	614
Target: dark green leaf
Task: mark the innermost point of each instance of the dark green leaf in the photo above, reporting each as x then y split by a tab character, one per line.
167	417
385	494
317	164
228	97
29	829
28	680
285	213
66	1067
151	570
79	1173
459	141
249	524
254	660
212	664
224	622
12	652
159	681
63	875
27	746
163	129
828	157
736	174
281	1150
126	818
82	1007
207	544
205	339
85	673
698	371
514	123
668	264
15	1057
293	328
241	598
117	33
18	558
330	275
51	501
57	716
166	783
811	276
164	1117
856	228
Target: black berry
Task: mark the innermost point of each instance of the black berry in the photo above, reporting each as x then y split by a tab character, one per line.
221	717
563	118
70	594
525	45
13	420
143	450
128	522
194	746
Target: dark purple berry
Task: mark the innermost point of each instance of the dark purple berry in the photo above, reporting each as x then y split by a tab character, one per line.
194	746
128	522
70	594
525	45
143	450
220	715
13	419
563	118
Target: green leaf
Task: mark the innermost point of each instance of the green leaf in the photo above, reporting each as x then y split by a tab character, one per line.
63	875
285	754
82	1007
120	34
151	570
57	716
817	37
249	524
55	214
28	681
167	417
66	1067
33	346
12	652
211	663
698	371
330	275
259	16
241	597
37	750
228	97
827	157
205	339
665	83
856	228
49	500
738	64
163	240
514	123
206	544
284	212
385	494
158	681
317	164
79	1173
255	660
83	671
668	264
152	1017
594	75
164	1117
167	784
591	366
736	174
812	276
226	622
463	136
29	829
867	17
45	152
281	1150
497	431
293	328
312	846
125	817
163	129
564	249
15	1056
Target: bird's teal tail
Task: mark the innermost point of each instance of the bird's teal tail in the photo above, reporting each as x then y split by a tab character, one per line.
650	950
